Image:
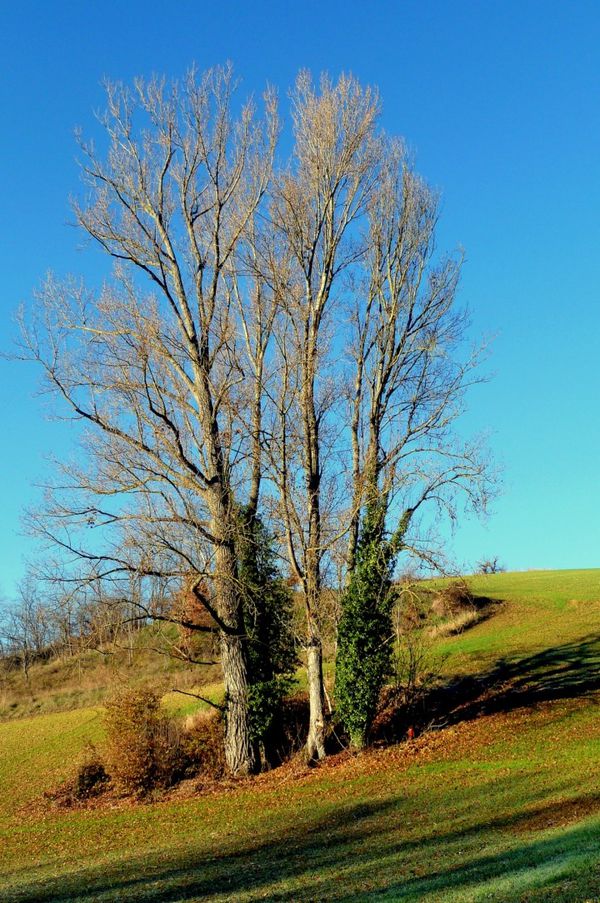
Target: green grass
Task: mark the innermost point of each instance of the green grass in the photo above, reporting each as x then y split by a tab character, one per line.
547	610
504	807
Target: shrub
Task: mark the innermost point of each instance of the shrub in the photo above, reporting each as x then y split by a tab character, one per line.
91	778
203	745
453	599
143	748
416	665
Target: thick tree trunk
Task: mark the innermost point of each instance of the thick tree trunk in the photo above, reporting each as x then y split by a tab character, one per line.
240	753
315	745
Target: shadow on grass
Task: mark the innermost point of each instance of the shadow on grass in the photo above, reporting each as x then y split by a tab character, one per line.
370	851
568	671
354	852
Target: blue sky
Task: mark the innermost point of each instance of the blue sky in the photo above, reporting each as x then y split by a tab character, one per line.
500	102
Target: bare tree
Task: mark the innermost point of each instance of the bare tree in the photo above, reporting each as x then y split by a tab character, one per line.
153	371
25	627
410	377
490	566
410	369
316	203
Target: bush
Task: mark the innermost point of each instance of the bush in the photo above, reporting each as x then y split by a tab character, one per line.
143	748
89	781
416	665
203	745
453	599
91	778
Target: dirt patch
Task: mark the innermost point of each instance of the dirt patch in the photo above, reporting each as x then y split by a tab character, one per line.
559	814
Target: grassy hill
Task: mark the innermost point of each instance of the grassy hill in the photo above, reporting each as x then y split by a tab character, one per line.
83	679
500	802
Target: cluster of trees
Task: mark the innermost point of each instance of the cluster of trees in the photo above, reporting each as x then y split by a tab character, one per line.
28	630
267	383
490	566
41	624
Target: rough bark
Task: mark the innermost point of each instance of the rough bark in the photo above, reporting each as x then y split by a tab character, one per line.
240	753
315	744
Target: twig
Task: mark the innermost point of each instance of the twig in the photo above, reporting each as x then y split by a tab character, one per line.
215	705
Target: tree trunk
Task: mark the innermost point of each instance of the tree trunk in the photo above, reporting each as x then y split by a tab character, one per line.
315	745
240	753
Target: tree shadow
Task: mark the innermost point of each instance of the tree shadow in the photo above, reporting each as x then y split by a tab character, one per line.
362	851
563	867
352	852
568	671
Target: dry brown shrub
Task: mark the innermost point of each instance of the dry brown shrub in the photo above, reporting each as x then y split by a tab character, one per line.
453	599
144	747
88	781
91	778
203	745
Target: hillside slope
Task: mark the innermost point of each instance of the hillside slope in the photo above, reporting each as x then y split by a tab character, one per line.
501	804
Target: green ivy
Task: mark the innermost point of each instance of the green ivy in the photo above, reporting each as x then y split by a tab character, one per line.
268	615
364	654
265	701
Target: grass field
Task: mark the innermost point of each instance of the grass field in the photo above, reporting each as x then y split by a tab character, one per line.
502	803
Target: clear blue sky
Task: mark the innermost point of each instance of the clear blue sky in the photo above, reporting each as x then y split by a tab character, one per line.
500	102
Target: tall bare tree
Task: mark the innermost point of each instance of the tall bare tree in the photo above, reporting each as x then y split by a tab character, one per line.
316	204
154	371
412	366
410	377
211	373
